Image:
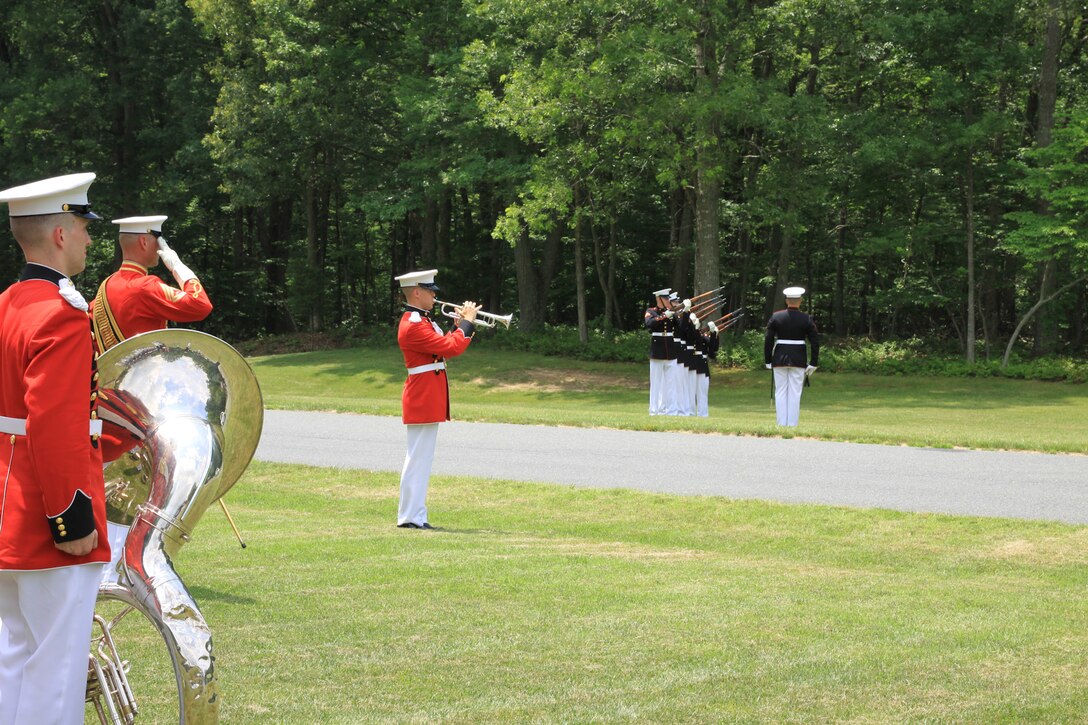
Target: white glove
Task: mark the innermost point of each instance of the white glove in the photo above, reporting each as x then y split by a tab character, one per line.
687	305
768	366
694	319
810	370
670	314
172	262
713	327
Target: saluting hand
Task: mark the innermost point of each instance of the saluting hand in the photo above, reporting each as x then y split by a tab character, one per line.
80	547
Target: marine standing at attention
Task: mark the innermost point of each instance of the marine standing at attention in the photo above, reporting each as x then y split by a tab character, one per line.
785	351
426	399
52	507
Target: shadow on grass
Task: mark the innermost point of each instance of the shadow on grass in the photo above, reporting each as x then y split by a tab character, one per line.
204	594
468	532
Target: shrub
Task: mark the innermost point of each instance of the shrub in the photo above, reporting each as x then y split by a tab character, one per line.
910	356
562	341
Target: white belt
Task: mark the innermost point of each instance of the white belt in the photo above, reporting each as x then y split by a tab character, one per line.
790	342
17	426
661	334
426	368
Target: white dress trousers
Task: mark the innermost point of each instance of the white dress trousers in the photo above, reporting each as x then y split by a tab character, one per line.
672	375
45	634
788	384
659	386
693	392
680	390
416	475
703	395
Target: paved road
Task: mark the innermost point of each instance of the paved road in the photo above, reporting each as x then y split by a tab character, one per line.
984	483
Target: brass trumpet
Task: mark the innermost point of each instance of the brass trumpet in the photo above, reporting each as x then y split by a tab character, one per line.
483	319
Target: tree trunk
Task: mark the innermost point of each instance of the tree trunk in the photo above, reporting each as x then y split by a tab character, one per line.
707	175
969	213
840	273
553	249
774	242
785	251
442	232
603	277
579	267
531	317
1076	322
488	213
739	298
681	268
274	234
428	225
1042	301
239	238
1045	332
364	294
613	255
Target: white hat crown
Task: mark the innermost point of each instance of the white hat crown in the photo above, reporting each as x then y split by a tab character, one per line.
55	195
417	279
140	224
793	292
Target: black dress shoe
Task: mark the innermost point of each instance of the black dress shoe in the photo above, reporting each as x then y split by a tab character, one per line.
410	525
425	525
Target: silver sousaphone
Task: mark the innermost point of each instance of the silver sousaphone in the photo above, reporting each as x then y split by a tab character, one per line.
191	407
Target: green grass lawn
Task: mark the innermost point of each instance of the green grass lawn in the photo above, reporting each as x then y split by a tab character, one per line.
501	386
545	603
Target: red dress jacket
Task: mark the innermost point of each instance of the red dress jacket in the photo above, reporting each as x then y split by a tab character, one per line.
52	475
426	397
139	302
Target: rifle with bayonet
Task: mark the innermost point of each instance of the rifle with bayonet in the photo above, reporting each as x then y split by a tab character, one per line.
707	306
702	295
725	321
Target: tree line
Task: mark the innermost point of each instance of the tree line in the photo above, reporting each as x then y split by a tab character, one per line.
920	167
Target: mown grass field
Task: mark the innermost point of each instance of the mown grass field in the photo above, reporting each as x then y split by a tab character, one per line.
500	386
544	603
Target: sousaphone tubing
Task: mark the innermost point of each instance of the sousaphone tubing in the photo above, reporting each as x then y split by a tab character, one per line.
190	407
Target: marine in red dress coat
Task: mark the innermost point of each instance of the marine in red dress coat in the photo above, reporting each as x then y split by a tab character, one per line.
53	538
141	302
426	399
426	396
53	491
131	301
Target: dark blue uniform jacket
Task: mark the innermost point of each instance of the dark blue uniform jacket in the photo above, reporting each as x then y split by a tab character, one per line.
791	324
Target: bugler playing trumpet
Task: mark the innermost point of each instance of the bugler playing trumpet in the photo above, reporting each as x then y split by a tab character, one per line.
483	319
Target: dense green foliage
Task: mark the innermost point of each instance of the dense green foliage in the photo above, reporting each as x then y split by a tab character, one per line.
920	167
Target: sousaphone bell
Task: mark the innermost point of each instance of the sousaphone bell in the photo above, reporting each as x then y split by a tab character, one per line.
191	407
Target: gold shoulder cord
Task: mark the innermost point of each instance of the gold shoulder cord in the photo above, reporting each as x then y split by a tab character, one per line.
107	333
